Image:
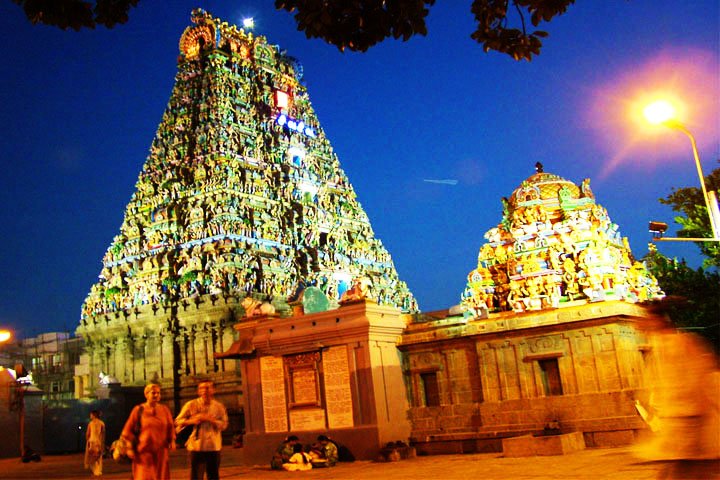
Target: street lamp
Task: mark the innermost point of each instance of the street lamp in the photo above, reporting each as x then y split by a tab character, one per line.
5	335
661	112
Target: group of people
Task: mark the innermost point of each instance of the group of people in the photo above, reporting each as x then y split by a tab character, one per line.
151	432
292	456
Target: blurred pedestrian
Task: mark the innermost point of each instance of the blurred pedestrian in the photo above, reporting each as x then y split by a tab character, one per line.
681	407
95	444
149	429
209	419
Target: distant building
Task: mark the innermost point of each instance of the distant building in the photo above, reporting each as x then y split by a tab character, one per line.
51	359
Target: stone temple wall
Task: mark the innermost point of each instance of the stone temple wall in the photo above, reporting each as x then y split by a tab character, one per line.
495	380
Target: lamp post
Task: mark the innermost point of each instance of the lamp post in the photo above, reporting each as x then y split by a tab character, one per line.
18	400
662	112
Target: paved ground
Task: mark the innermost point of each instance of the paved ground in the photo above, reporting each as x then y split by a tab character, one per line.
612	464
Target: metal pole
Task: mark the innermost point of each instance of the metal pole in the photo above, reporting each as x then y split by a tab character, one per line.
21	418
714	211
681	127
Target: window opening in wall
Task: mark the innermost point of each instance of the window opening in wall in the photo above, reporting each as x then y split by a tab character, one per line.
550	374
431	393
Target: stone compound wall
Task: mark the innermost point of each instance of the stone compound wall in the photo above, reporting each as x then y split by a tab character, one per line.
492	386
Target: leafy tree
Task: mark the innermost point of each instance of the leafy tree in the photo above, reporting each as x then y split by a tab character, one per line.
696	295
695	220
348	24
698	290
77	14
360	24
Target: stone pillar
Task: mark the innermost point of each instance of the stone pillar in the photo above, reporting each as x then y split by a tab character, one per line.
166	357
139	359
120	355
190	351
96	355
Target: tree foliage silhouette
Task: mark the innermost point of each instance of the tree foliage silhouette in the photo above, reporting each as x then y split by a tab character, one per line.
505	26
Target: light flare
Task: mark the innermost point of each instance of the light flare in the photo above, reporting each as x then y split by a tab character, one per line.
686	80
5	335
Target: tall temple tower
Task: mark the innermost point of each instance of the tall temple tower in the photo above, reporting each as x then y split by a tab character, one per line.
240	196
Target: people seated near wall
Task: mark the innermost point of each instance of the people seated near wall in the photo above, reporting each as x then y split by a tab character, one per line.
344	453
284	451
324	453
299	461
30	455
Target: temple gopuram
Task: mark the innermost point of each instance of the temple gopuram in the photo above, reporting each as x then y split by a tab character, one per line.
241	201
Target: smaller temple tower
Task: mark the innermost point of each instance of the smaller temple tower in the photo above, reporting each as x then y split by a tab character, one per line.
548	338
555	247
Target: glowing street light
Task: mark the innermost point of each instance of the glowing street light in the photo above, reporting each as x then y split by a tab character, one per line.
662	112
5	335
248	23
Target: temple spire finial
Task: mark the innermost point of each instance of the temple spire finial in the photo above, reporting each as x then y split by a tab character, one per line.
539	167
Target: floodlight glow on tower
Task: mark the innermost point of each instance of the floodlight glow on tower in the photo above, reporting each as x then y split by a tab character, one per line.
248	22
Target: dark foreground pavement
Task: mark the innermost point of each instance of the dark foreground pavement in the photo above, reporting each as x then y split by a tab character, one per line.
616	463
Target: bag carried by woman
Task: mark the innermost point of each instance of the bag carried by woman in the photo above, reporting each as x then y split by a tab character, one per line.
121	446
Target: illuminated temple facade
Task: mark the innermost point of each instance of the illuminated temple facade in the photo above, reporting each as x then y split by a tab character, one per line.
548	339
244	256
241	196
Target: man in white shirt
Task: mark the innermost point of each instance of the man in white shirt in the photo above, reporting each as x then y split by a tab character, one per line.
209	419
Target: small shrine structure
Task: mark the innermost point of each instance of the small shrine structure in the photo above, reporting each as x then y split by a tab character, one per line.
334	372
548	337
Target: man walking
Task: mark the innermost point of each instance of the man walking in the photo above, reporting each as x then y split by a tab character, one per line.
208	419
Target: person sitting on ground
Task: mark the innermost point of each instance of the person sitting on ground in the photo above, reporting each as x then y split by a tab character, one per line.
344	453
30	455
324	453
284	452
300	461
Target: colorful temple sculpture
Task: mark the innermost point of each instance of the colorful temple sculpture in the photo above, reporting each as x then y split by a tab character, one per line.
549	338
554	247
241	196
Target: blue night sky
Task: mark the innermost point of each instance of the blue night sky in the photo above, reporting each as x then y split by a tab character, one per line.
79	111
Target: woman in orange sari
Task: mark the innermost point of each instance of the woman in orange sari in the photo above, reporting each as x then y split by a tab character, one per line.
151	431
